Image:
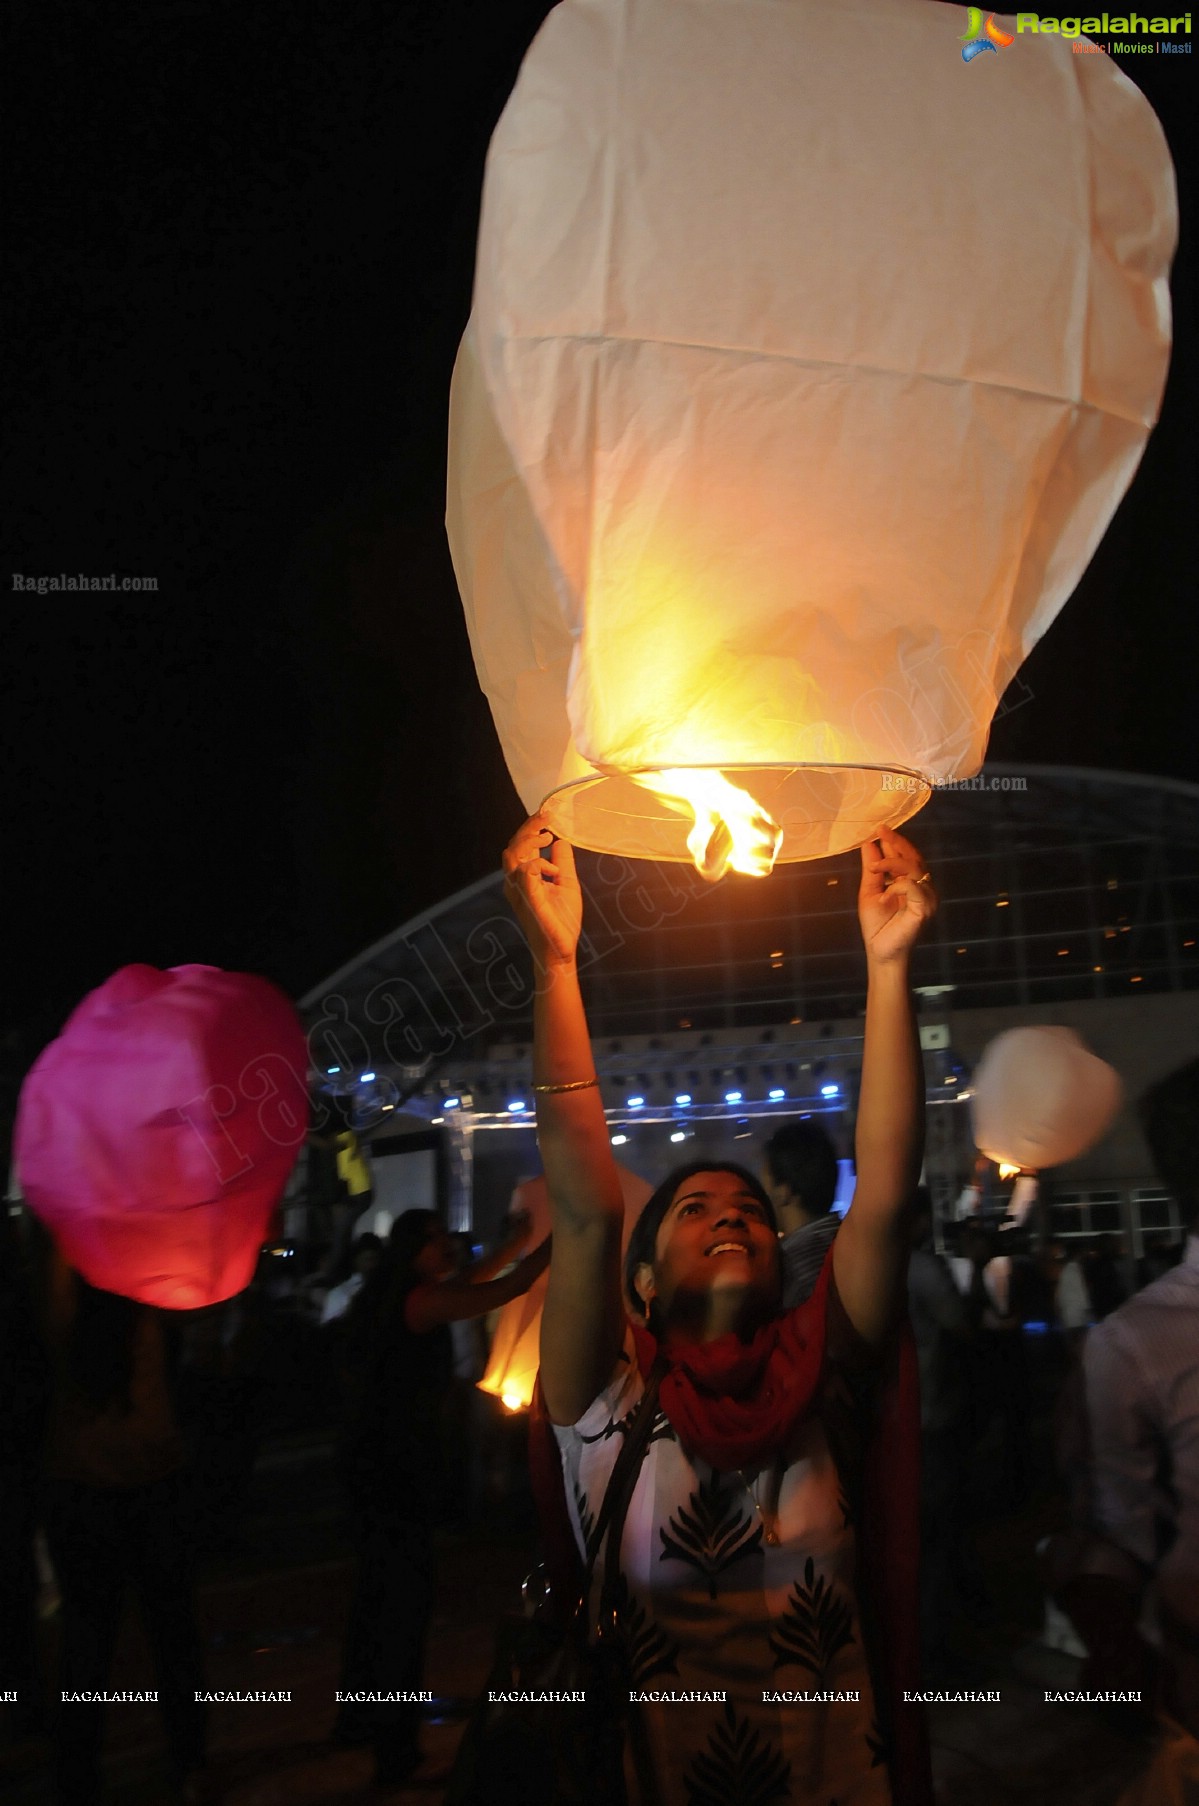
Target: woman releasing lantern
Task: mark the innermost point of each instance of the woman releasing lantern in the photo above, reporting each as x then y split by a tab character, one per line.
739	1554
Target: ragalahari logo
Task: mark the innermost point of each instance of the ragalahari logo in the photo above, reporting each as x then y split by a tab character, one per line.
979	37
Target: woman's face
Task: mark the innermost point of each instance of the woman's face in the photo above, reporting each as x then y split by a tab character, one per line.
715	1237
436	1258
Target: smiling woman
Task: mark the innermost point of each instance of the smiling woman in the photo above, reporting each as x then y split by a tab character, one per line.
700	1213
754	1515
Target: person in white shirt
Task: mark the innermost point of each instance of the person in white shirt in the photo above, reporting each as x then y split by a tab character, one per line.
368	1251
1140	1569
1072	1300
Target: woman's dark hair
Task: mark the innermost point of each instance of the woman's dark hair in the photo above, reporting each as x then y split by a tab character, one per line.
645	1234
409	1233
381	1298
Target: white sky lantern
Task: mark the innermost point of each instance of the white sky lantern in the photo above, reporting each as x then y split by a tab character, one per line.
1041	1098
806	368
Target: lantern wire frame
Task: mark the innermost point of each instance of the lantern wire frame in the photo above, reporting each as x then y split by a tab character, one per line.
822	810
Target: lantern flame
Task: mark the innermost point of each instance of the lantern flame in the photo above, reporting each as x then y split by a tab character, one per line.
1007	1170
732	831
512	1400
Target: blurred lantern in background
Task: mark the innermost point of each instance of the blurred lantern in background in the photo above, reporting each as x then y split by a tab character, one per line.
1041	1098
783	426
155	1136
516	1345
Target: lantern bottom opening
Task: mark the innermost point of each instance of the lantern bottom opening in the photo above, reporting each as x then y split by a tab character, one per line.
822	809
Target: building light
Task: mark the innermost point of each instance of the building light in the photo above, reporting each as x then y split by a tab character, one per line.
830	1090
618	1141
776	1095
684	1097
732	1097
366	1078
634	1103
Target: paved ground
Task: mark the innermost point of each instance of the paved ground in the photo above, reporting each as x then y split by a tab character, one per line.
274	1605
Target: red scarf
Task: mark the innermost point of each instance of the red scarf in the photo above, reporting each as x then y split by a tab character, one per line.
736	1404
752	1422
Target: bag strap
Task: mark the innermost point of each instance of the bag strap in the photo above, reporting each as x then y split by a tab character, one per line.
619	1491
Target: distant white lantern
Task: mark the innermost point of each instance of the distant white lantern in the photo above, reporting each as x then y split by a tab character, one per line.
806	368
1041	1098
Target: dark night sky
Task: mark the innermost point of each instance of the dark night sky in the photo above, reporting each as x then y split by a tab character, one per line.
240	243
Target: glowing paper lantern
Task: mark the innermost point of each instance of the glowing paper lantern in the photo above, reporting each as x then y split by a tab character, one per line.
786	420
516	1345
155	1136
1041	1098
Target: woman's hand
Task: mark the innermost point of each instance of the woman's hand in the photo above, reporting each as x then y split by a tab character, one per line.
895	899
544	893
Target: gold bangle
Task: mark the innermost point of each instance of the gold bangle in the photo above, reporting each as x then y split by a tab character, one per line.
571	1085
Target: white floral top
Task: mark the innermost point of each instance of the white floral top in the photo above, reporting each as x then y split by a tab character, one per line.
740	1585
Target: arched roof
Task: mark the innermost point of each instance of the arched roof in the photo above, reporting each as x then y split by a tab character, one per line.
1056	883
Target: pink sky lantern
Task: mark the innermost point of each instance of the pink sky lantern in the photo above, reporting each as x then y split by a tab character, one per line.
155	1136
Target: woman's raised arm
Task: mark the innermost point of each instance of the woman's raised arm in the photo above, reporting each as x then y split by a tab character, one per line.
870	1253
458	1300
582	1326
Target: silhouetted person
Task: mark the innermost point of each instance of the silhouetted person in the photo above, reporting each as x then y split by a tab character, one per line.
1141	1371
398	1365
117	1516
23	1385
365	1256
941	1328
799	1171
1105	1286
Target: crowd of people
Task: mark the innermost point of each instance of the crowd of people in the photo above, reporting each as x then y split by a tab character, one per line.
821	1394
